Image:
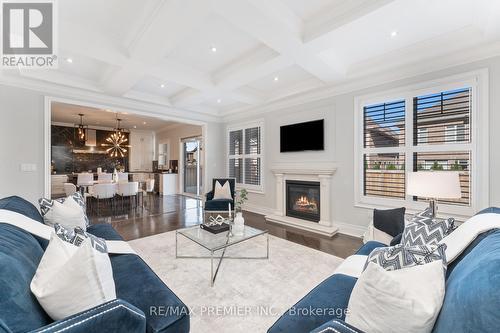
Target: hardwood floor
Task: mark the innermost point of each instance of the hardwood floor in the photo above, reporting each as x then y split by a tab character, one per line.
167	213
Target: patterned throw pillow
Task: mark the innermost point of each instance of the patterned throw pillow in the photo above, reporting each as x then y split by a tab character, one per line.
47	204
397	257
77	235
422	229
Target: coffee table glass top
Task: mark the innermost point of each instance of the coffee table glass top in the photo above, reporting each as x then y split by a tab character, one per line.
214	242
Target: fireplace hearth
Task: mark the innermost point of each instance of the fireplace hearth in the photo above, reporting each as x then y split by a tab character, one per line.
303	200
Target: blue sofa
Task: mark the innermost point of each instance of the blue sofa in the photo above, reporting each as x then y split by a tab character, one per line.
471	304
138	288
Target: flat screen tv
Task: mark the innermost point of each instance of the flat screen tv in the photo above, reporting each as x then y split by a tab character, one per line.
302	136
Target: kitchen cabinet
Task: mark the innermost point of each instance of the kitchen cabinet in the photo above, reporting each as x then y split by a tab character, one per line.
168	184
141	151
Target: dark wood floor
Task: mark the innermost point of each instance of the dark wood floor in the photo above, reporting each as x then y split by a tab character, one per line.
167	213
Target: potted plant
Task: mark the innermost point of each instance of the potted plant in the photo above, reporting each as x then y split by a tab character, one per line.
239	221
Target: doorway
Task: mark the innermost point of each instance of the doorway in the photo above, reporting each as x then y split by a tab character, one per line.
192	166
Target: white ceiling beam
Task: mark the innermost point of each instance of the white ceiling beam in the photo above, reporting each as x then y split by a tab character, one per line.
167	26
263	20
77	39
320	29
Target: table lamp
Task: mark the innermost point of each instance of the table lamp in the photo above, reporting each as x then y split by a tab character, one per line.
434	186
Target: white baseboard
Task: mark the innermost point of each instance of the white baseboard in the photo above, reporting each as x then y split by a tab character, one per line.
258	209
350	229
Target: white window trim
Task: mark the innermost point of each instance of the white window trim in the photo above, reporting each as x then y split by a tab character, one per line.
242	126
478	81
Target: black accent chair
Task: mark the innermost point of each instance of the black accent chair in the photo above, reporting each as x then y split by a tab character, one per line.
220	205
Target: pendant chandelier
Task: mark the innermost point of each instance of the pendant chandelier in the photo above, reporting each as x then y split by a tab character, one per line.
80	129
117	142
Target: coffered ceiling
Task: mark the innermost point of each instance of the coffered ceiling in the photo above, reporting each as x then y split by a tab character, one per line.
221	57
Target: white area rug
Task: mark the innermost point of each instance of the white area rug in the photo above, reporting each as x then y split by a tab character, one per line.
248	295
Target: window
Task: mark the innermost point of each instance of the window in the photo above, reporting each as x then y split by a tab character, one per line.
245	156
420	131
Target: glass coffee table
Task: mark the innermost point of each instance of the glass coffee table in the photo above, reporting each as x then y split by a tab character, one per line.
218	242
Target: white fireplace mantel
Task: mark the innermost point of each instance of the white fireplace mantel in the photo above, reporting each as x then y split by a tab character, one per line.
321	172
300	168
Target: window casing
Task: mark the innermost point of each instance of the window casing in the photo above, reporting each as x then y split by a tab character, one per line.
435	129
245	155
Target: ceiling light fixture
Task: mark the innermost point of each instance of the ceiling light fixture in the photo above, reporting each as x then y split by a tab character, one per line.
144	123
162	85
219	100
213	49
394	34
81	129
276	78
117	142
69	60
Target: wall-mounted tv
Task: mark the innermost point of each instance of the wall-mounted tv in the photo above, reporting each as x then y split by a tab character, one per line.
302	136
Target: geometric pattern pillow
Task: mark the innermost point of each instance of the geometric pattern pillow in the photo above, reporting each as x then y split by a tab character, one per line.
422	229
47	204
77	235
398	256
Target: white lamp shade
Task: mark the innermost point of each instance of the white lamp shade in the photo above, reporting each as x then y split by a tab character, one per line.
435	185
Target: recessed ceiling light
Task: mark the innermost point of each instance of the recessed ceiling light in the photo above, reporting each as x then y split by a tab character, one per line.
213	49
162	85
394	33
135	126
144	123
219	100
276	78
69	60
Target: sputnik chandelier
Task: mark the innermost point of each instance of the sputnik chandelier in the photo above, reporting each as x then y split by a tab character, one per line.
117	142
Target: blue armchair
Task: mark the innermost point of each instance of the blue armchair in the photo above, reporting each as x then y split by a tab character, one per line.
220	205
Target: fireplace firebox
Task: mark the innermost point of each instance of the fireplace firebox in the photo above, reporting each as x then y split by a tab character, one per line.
303	200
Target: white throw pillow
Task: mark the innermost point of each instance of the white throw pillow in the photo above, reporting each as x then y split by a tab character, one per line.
71	279
68	213
222	191
406	300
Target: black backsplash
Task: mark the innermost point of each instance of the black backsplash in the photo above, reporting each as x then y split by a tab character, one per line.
65	161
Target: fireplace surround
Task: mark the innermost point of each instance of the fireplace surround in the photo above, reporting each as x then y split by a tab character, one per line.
319	173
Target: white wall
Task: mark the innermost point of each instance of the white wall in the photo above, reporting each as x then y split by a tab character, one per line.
21	141
173	136
339	144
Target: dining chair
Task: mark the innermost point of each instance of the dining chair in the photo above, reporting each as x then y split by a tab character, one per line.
122	177
69	189
84	180
129	190
148	191
104	192
105	178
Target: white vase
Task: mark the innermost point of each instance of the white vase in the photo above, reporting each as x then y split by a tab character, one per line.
239	224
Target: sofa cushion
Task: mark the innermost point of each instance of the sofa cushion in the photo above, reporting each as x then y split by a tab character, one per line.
325	302
137	284
397	257
472	296
129	272
20	254
390	221
218	205
26	208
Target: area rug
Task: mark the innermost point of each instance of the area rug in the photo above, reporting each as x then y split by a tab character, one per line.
248	295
